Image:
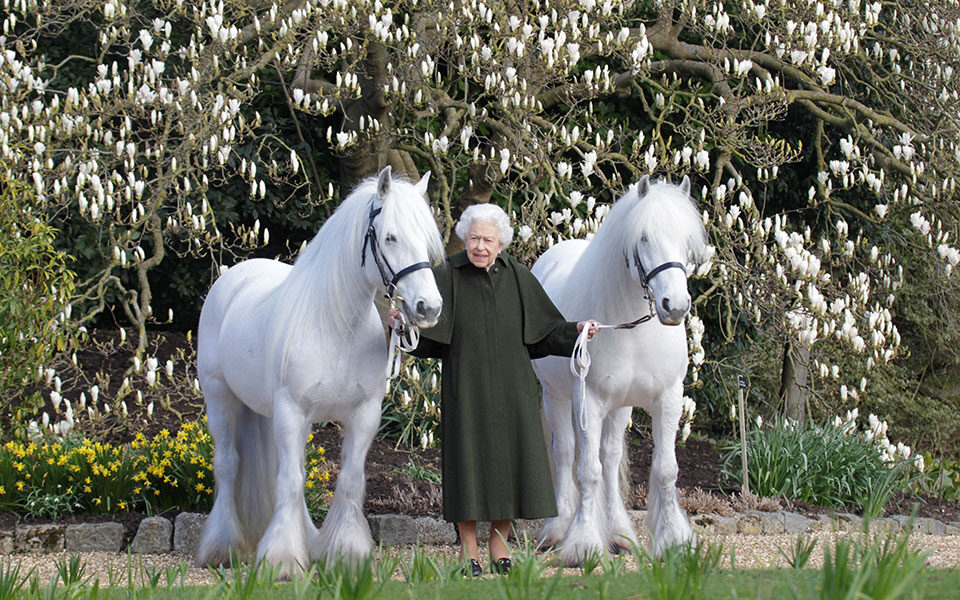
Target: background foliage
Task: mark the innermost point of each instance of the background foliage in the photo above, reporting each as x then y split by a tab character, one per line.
35	287
165	139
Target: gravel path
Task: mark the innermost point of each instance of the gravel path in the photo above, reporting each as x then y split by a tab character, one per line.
751	551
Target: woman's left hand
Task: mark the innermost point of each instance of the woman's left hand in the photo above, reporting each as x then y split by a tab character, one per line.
593	328
392	316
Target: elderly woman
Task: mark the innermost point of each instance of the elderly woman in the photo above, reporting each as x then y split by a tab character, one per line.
495	318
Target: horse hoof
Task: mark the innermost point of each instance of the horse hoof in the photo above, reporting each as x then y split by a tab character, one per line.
547	547
616	548
547	544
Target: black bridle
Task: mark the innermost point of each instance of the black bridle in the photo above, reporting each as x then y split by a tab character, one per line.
645	278
387	274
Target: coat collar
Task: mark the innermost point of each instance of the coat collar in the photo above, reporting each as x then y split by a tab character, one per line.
460	259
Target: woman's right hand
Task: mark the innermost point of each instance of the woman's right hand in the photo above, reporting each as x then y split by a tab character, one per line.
592	326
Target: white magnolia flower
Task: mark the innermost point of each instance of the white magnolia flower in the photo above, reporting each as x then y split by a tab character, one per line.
702	159
589	161
504	160
827	75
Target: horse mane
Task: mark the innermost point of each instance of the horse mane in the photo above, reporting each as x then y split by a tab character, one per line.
326	287
665	212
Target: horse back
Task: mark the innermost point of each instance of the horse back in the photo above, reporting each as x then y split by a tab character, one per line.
553	267
249	280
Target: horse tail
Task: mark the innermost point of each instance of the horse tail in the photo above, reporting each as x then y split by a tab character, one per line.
256	473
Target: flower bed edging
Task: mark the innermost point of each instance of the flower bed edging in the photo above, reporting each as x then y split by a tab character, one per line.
157	535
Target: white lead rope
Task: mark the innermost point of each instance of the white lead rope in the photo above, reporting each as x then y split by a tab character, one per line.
580	360
580	367
406	342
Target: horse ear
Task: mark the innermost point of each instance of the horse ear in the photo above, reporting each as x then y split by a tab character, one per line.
643	186
423	184
685	185
383	183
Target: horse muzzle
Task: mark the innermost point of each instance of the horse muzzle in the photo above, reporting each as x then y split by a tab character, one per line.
672	311
422	313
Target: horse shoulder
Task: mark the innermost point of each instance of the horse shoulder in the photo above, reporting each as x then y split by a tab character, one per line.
337	370
641	367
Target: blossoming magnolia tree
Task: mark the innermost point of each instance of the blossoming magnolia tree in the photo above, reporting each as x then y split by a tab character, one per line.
823	137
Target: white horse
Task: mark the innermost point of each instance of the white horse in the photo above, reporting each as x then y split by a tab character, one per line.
281	347
636	261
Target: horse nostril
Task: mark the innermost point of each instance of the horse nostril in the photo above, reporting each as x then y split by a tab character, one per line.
665	303
421	308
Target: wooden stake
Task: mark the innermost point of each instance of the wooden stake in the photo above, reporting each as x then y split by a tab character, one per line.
742	385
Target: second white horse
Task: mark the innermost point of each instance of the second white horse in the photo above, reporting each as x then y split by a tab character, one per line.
636	263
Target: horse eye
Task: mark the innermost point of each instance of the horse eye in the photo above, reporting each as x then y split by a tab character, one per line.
390	238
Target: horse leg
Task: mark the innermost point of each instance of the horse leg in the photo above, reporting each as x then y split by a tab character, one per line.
557	411
222	532
584	537
345	532
285	542
620	532
666	519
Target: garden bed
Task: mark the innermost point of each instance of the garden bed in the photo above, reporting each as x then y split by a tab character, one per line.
400	480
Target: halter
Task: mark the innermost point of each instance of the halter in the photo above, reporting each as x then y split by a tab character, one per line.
645	282
387	274
402	337
646	277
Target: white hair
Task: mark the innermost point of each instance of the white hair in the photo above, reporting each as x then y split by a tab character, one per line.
486	213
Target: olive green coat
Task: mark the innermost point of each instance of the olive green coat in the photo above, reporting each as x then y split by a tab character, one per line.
495	464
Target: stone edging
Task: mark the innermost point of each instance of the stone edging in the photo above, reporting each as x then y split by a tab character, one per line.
157	535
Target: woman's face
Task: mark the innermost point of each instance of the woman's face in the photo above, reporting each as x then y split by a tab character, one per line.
483	244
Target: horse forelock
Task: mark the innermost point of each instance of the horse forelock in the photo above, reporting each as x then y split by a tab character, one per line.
667	214
410	215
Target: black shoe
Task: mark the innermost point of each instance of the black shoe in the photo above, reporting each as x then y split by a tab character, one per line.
475	569
501	566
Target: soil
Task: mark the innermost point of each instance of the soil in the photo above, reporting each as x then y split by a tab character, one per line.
390	486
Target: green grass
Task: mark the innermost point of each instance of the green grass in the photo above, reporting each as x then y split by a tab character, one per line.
877	568
417	471
800	584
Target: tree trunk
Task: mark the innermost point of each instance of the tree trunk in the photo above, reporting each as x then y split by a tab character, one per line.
793	381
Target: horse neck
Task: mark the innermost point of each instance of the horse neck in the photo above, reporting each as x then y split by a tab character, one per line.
327	289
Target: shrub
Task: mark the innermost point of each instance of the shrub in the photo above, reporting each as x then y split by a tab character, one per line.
941	478
828	465
35	286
